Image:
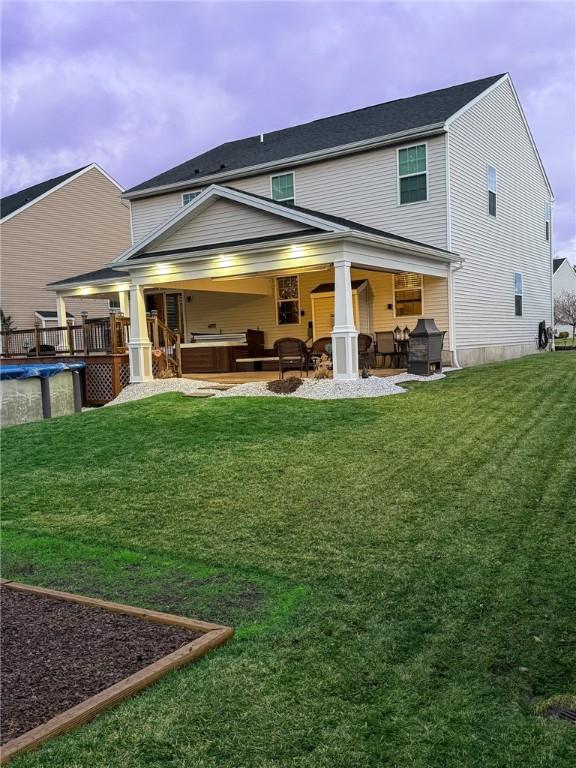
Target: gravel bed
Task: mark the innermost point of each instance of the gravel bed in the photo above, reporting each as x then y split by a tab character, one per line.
311	389
328	389
159	387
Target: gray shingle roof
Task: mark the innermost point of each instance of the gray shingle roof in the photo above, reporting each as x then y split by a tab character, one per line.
13	202
107	273
377	121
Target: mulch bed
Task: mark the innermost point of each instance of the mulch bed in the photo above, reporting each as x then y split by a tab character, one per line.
56	654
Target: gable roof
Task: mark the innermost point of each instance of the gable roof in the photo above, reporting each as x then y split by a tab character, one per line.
310	219
12	204
557	263
426	110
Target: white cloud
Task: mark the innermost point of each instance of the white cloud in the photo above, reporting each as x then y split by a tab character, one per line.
566	250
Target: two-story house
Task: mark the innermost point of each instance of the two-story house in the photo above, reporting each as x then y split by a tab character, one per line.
431	206
564	283
72	223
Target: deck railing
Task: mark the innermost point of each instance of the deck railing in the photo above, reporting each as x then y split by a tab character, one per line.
94	336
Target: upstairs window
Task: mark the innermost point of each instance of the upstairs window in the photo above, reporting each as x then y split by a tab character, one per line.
518	293
287	300
547	220
491	190
407	294
282	188
412	174
187	197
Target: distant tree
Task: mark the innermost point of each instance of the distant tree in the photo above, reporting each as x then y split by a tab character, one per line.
565	310
6	322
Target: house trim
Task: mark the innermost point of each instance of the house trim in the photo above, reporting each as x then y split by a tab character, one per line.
90	167
473	102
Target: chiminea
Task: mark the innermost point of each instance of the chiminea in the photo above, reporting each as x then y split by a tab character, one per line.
425	349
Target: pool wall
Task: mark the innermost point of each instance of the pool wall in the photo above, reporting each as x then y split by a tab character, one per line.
37	397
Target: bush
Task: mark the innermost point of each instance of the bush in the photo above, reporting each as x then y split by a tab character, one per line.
284	386
563	335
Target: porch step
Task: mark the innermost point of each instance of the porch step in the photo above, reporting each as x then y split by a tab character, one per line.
199	394
219	387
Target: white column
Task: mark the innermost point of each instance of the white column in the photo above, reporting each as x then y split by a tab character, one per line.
344	333
62	322
61	311
124	298
139	346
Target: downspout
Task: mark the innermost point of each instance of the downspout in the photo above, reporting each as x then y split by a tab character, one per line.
453	267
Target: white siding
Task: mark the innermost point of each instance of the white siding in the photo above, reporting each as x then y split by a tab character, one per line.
361	187
224	221
492	133
564	281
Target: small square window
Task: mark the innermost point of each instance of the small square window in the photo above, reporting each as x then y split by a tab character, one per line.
283	188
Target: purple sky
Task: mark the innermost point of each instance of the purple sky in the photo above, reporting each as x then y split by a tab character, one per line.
141	86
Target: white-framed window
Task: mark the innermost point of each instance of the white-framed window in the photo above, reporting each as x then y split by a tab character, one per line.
413	174
491	190
114	305
187	197
407	294
282	188
518	293
288	300
547	220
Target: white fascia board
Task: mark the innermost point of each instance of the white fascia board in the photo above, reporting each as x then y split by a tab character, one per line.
447	257
503	79
296	160
90	167
214	192
91	288
211	253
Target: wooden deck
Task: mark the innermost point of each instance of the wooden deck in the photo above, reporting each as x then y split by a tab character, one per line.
244	377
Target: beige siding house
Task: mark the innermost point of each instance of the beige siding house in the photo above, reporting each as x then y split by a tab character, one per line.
435	206
74	223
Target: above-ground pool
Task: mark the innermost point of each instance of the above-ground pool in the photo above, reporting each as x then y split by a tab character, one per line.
38	391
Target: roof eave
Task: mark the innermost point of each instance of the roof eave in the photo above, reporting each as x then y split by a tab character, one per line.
295	160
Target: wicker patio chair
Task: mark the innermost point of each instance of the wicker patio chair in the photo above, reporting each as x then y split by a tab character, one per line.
365	350
319	346
292	355
386	348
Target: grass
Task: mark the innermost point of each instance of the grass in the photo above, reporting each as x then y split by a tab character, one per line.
414	557
569	342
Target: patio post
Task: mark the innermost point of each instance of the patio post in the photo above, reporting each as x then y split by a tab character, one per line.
344	333
124	299
62	322
139	346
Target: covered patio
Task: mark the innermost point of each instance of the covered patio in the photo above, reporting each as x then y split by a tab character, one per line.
210	292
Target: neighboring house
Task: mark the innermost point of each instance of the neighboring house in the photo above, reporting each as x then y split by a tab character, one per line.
432	206
75	222
564	282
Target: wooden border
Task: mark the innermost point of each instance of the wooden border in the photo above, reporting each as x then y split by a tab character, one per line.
213	636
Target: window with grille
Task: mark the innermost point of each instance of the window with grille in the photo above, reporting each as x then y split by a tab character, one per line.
491	190
412	174
408	294
187	197
288	300
282	188
518	293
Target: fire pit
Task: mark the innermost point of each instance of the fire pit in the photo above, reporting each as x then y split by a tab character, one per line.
425	349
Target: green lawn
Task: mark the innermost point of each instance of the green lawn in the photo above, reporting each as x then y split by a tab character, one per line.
401	570
569	342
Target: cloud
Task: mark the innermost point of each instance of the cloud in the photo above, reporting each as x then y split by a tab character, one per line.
117	113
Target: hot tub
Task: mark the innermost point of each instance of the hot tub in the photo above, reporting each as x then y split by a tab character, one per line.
36	391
